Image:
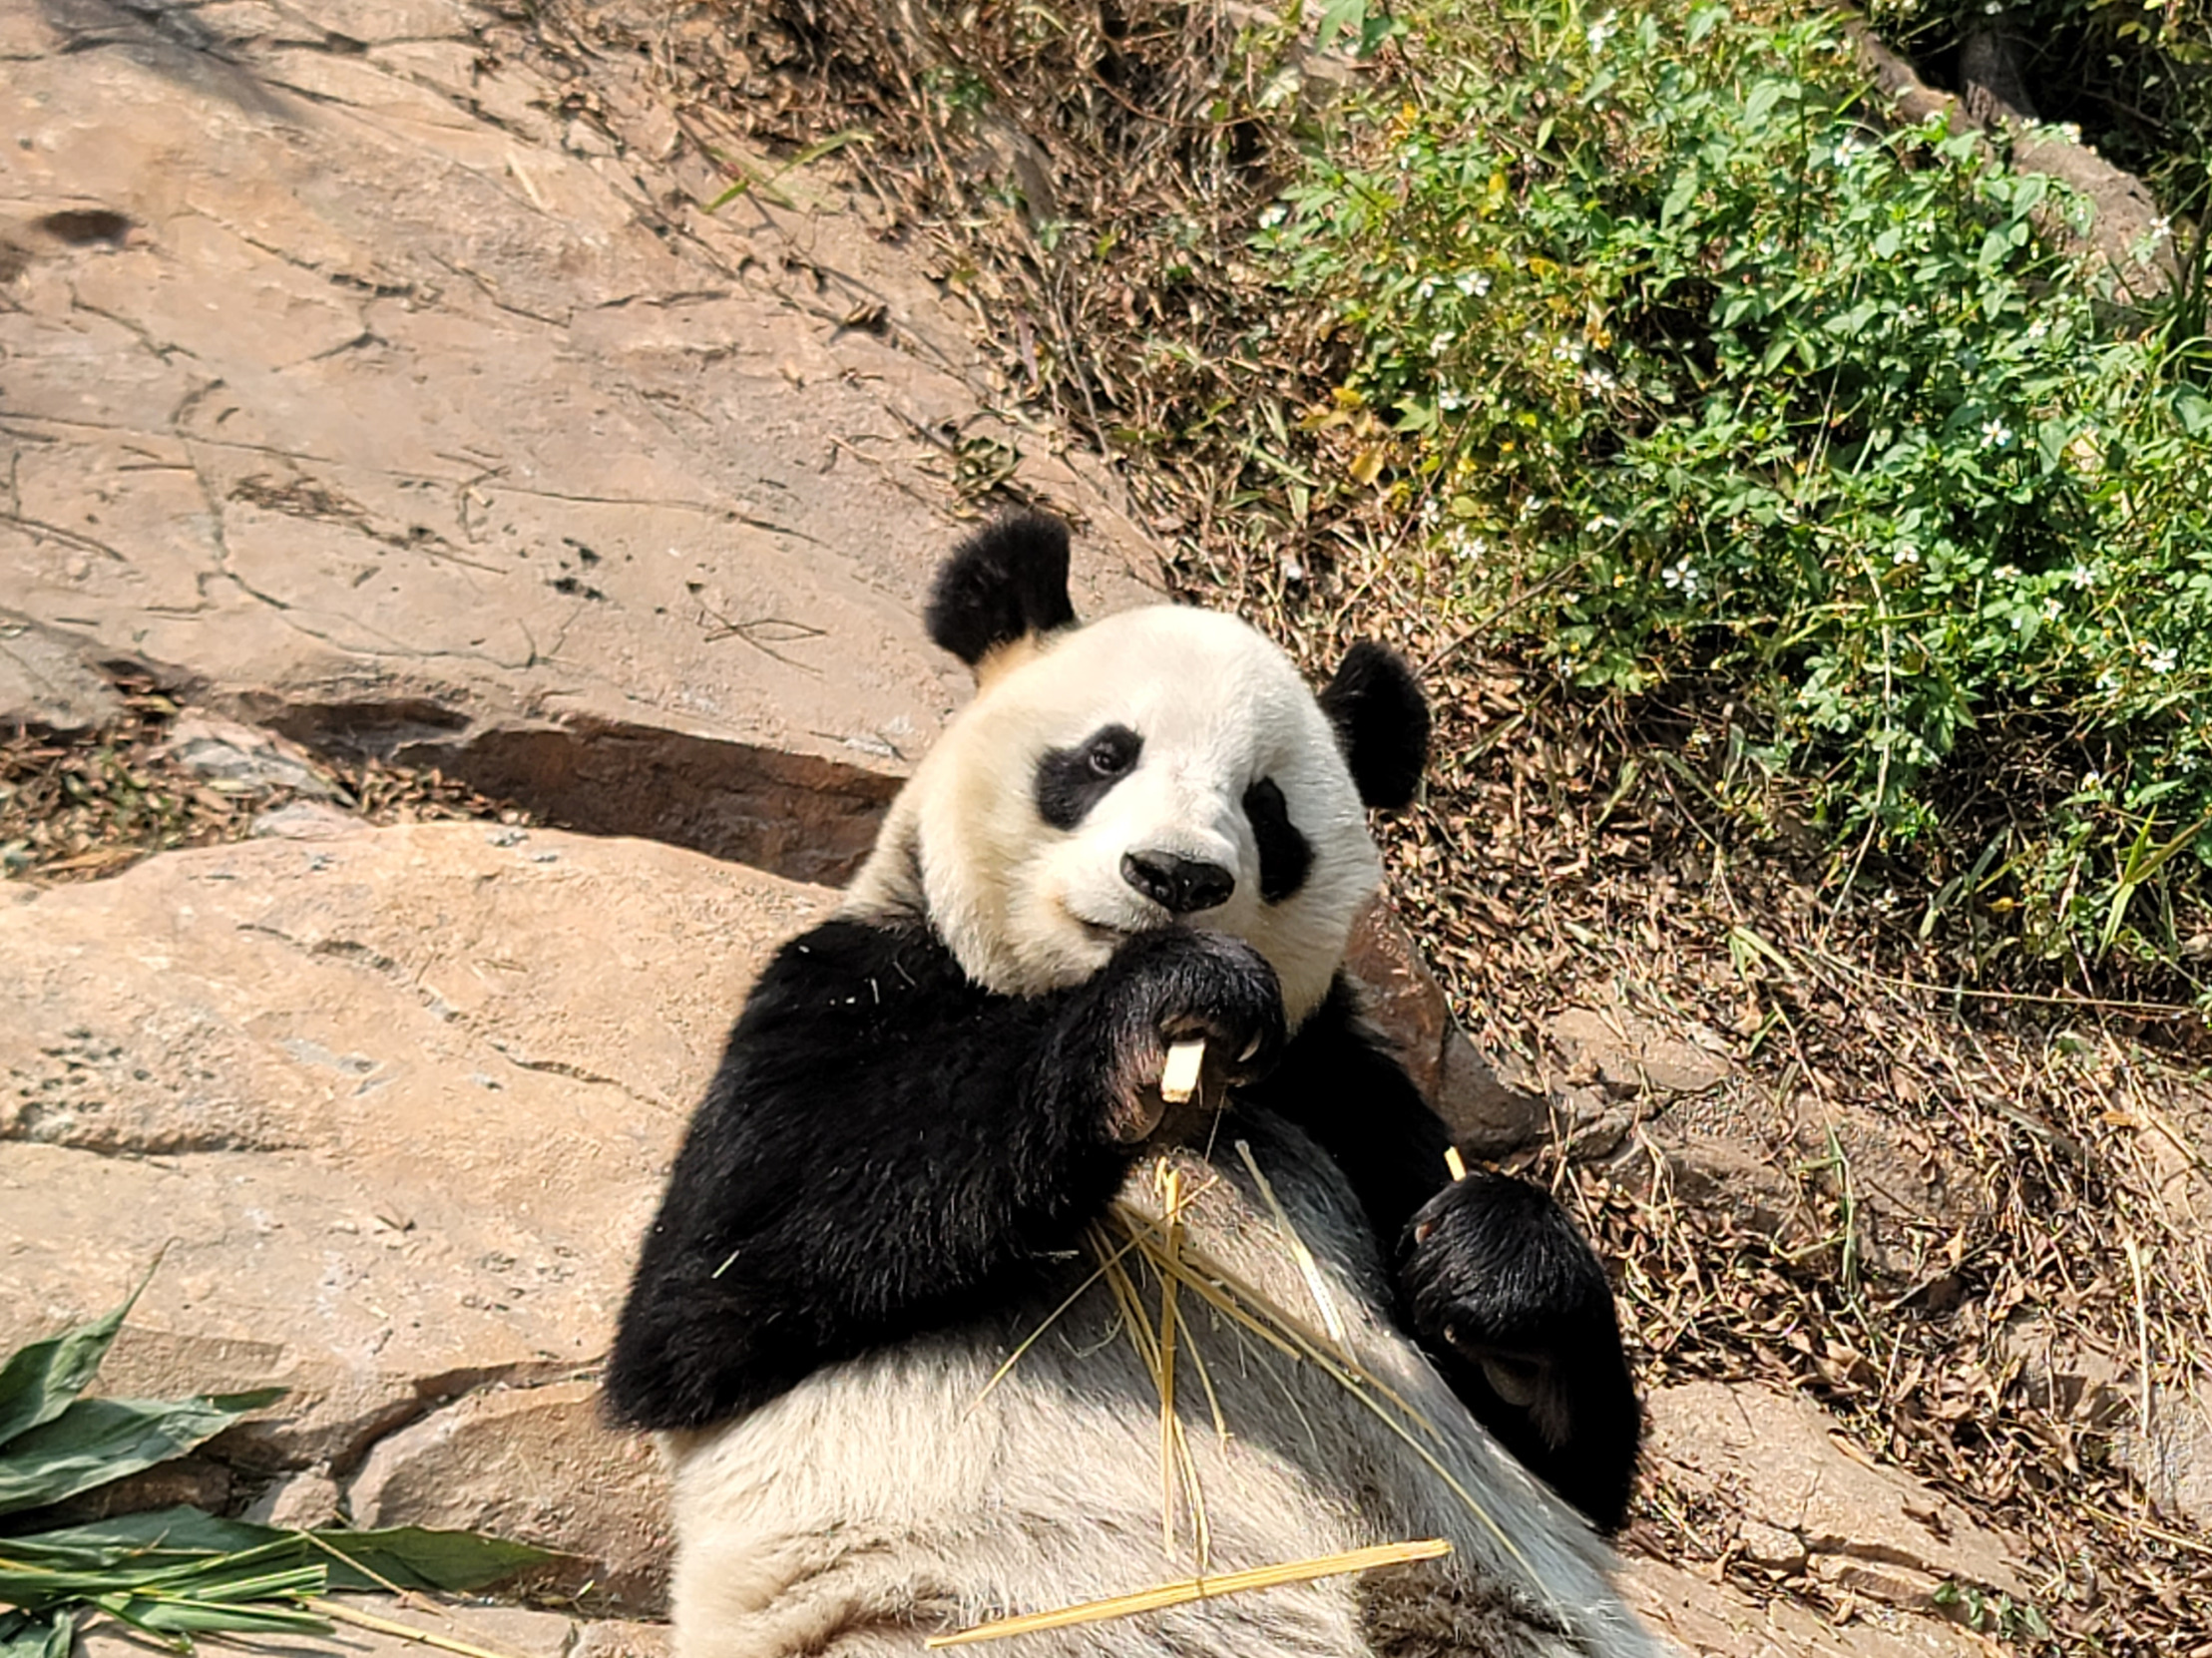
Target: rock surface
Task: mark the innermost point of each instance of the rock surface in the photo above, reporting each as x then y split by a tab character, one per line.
46	680
356	385
390	1111
1715	1620
1798	1502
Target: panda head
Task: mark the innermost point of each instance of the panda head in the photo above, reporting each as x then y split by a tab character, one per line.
1164	766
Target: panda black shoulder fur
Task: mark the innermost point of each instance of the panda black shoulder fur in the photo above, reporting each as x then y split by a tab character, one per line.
1141	830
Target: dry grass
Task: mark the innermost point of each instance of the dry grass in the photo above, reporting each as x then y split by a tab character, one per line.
81	807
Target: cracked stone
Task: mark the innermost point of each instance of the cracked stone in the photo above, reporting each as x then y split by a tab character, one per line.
298	1501
246	758
2174	1460
1773	1461
539	1464
1631	1056
1770	1546
397	1105
45	681
1716	1620
379	397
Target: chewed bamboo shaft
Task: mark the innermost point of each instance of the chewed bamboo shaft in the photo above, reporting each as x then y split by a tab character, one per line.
1185	1590
1180	1081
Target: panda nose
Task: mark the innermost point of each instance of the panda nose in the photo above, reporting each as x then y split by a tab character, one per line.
1182	886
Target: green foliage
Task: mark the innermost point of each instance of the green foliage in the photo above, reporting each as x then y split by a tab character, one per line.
1713	384
175	1572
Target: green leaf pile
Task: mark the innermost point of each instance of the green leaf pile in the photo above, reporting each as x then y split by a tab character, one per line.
175	1573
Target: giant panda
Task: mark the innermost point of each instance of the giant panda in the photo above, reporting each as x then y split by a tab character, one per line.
898	1386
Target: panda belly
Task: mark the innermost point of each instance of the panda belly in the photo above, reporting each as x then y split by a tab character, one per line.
908	1493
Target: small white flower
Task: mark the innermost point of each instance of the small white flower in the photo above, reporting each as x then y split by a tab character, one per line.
1450	401
2082	576
2160	228
1905	556
2051	608
1472	283
1533	506
1597	382
1599	31
2108	680
1271	217
1995	434
1443	342
1603	521
2037	330
1681	578
2159	661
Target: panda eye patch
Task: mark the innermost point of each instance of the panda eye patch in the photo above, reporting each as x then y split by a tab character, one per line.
1069	781
1284	854
1113	751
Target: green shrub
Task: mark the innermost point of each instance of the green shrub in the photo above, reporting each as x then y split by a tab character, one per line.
1712	385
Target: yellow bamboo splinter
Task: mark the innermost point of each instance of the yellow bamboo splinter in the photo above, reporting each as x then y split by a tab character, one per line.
1180	1081
1188	1590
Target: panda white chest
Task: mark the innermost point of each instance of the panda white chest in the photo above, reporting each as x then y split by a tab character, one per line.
1212	1384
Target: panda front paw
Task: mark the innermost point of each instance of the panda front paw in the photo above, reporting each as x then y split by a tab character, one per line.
1167	986
1500	1286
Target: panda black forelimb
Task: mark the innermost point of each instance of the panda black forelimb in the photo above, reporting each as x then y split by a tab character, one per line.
827	1203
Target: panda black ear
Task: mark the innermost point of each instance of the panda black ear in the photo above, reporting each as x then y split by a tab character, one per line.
1002	584
1382	724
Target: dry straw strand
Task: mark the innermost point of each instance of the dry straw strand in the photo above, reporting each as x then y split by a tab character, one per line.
1355	1382
338	1613
1308	1267
1186	1590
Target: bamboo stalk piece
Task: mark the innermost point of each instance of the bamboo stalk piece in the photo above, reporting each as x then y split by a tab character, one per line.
1180	1081
1185	1590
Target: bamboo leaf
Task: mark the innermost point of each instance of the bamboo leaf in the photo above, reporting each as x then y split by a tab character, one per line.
135	1548
159	1536
39	1381
34	1634
415	1558
95	1440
